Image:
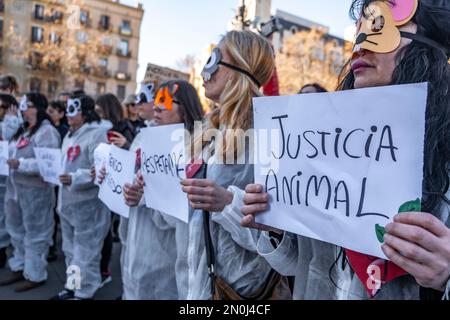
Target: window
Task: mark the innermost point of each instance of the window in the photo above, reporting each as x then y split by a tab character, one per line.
121	92
1	56
84	17
55	37
37	34
2	5
1	29
82	37
123	48
123	66
125	28
103	62
101	87
52	87
104	22
39	12
35	85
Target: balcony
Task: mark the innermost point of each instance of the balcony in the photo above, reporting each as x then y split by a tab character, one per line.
50	67
104	49
55	17
123	53
123	76
101	72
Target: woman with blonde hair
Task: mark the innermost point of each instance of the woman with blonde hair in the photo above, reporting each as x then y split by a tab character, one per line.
222	259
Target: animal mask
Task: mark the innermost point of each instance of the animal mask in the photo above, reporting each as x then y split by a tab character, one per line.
378	28
213	63
23	105
165	98
73	107
146	94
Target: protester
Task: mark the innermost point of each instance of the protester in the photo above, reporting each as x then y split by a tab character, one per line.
416	242
57	113
85	220
9	85
238	67
121	135
30	224
8	104
132	114
108	108
156	242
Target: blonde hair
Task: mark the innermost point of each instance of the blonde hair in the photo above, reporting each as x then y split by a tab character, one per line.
253	53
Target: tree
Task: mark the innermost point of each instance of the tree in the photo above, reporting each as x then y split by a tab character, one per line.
310	56
186	63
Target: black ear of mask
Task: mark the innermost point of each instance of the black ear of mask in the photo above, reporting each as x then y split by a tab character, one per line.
427	41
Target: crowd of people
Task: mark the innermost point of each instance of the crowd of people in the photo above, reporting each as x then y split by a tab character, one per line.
222	253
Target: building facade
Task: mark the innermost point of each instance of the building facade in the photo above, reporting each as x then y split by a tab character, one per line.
52	46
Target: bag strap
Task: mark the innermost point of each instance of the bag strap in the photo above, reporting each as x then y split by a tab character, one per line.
210	254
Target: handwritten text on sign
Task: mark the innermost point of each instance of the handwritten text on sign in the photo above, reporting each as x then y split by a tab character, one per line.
119	166
347	161
163	167
49	163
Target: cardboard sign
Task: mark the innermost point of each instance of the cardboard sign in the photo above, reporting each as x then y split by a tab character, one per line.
163	167
119	167
344	163
50	164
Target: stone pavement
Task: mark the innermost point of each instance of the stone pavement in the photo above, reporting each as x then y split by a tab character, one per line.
56	279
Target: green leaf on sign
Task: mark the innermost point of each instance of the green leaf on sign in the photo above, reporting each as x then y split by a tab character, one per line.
411	206
380	231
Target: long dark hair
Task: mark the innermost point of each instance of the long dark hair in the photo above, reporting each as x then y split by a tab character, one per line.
60	107
87	108
191	108
418	62
8	100
111	107
40	102
9	83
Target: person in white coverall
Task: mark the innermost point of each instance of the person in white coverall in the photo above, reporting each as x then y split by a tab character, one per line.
85	220
30	224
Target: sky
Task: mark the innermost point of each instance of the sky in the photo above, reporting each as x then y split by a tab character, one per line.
172	29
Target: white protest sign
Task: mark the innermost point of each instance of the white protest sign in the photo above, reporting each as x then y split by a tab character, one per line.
4	156
163	167
119	167
49	163
345	162
101	154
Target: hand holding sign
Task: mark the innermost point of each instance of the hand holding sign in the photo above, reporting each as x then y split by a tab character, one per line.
206	195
